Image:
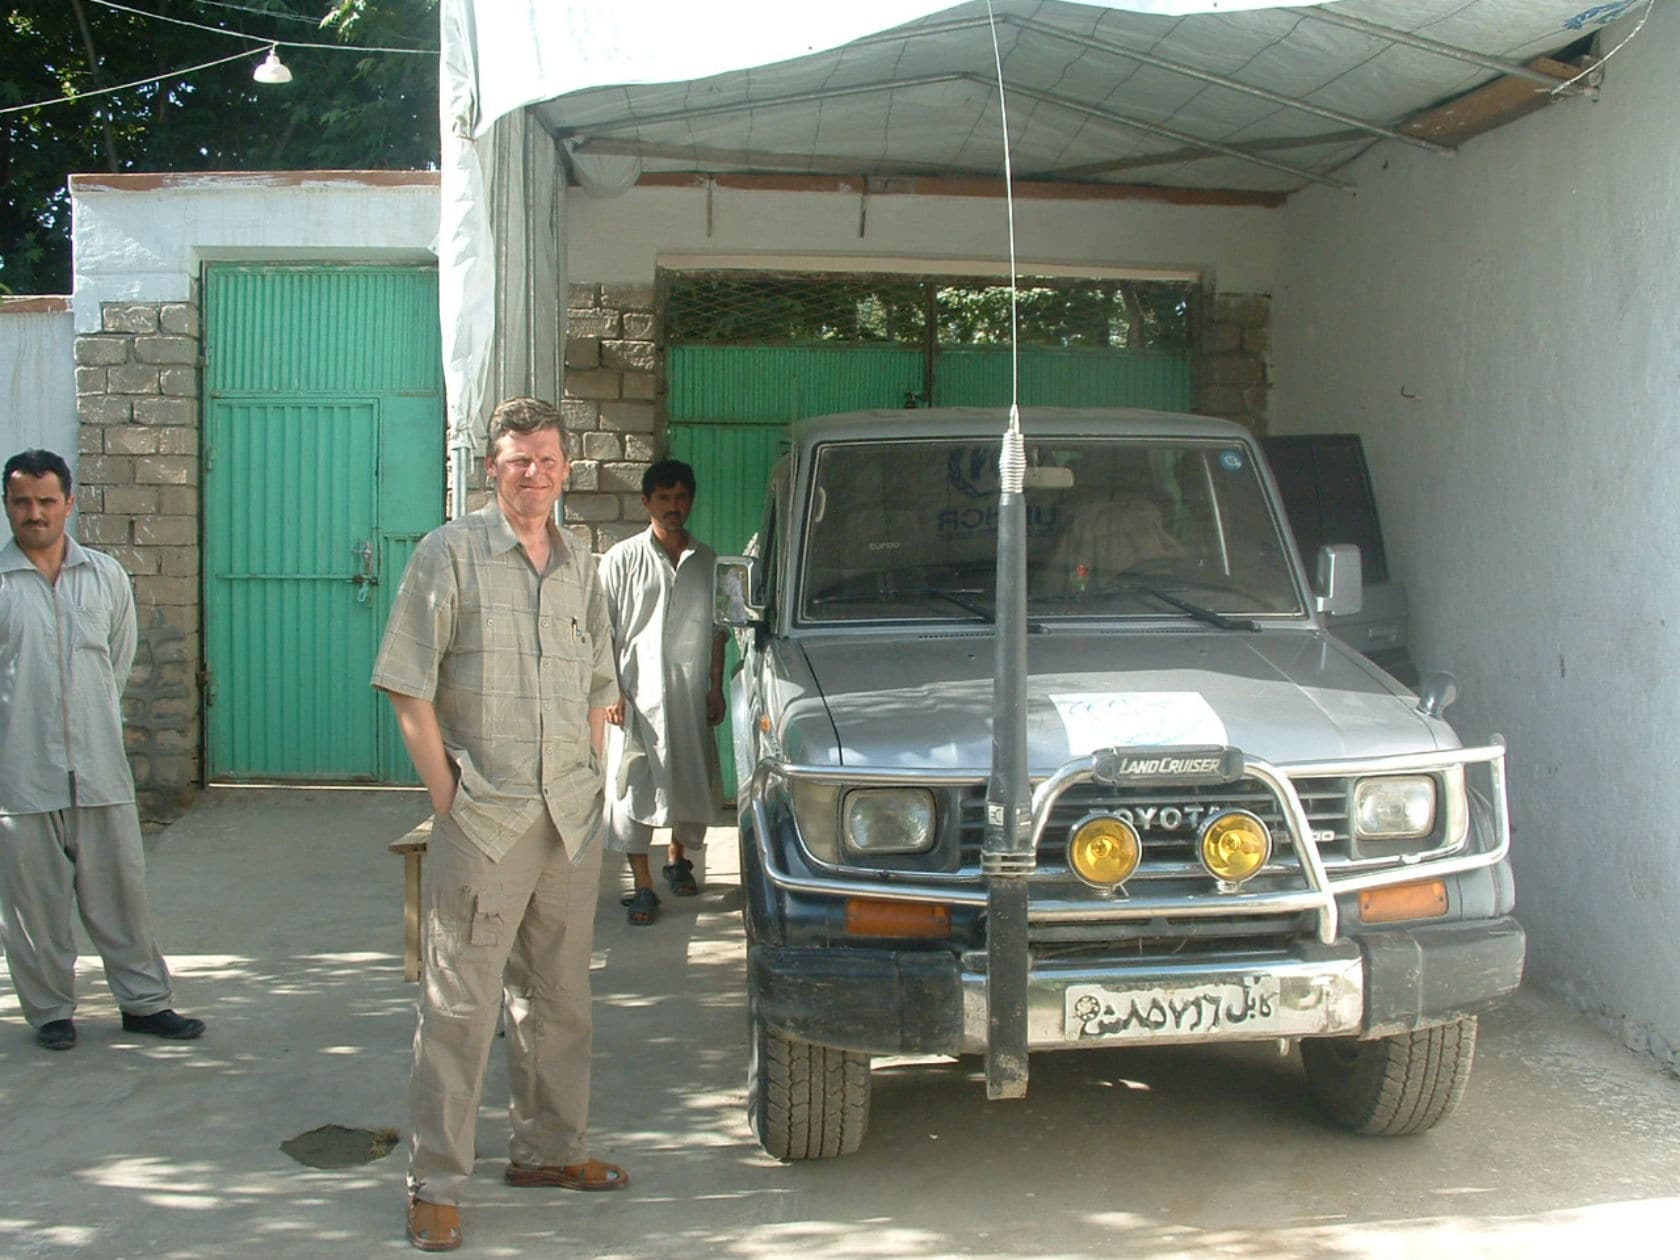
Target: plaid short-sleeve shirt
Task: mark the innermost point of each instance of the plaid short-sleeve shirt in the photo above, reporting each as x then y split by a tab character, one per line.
512	661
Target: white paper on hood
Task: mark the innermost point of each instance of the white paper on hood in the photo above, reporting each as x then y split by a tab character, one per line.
1136	719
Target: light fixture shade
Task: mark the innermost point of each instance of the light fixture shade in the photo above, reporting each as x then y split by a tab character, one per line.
272	69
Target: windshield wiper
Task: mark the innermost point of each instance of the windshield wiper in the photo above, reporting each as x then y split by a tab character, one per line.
959	598
1208	615
905	594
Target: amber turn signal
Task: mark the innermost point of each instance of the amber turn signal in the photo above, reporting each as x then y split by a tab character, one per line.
898	919
1403	901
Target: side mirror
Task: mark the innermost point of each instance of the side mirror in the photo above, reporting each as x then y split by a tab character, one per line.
1341	582
1437	692
734	593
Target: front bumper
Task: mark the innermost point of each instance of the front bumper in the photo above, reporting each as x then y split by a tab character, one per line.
884	1001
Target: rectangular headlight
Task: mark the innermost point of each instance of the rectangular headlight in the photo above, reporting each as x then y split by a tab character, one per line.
888	820
1397	808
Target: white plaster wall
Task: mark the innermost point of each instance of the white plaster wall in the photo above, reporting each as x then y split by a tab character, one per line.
143	238
621	239
37	378
1504	330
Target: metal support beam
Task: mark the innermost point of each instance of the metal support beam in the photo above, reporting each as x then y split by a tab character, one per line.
763	102
1115	49
1184	138
1515	70
1168	157
864	89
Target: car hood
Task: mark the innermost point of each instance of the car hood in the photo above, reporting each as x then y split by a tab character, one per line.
1285	696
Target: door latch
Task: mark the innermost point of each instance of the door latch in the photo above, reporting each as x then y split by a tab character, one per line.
367	579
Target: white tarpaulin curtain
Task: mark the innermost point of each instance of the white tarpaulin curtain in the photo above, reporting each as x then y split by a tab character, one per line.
501	253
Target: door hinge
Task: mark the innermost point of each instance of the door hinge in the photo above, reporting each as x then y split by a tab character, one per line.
206	687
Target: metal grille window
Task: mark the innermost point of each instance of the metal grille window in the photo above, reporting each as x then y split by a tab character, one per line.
731	308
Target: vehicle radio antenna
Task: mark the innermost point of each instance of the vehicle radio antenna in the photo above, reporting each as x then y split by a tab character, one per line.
1006	857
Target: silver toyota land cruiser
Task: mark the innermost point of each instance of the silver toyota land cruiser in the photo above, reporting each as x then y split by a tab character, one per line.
1241	829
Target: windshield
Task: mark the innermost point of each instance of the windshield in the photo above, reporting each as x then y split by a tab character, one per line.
907	530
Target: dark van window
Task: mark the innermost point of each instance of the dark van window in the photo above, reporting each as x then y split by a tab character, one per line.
1326	490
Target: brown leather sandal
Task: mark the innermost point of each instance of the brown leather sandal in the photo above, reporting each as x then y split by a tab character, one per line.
594	1174
433	1226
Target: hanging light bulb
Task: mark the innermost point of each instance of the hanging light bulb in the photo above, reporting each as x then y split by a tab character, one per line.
272	69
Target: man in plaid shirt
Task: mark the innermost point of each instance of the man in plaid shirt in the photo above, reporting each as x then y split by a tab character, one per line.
498	659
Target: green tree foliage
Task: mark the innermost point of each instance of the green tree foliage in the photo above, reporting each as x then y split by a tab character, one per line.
1130	314
342	110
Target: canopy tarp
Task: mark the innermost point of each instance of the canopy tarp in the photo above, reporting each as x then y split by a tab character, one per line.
1265	96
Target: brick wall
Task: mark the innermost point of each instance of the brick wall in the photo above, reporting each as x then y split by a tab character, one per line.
1232	367
137	400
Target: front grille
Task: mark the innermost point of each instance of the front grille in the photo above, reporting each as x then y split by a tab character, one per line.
1169	821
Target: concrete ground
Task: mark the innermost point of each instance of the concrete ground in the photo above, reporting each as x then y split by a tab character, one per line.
280	912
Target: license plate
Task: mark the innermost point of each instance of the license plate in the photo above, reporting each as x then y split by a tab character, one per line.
1246	1005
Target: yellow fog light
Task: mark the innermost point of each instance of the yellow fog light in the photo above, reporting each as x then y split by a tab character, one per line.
1104	851
1235	845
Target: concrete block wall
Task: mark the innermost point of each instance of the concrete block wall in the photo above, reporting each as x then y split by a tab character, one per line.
1231	366
137	403
613	384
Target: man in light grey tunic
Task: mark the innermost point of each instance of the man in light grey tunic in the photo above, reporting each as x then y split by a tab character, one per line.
661	760
69	833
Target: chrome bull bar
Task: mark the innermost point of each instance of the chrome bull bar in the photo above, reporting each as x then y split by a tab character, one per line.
1318	896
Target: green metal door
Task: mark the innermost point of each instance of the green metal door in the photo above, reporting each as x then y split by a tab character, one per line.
323	466
1064	376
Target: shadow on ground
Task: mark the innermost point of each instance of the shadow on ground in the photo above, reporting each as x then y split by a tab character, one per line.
281	914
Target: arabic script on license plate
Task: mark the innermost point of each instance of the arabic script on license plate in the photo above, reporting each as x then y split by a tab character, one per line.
1097	1012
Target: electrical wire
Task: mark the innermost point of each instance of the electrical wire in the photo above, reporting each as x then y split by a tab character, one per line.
123	87
263	44
264	40
268	13
1599	64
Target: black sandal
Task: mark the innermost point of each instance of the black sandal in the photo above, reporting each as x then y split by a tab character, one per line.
680	875
644	906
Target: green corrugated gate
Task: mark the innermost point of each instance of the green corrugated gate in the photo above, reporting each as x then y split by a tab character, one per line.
323	465
730	407
1064	376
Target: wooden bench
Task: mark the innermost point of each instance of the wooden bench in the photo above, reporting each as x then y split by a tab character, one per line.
412	846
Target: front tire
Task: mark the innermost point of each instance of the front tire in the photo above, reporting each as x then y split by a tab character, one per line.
805	1101
1389	1086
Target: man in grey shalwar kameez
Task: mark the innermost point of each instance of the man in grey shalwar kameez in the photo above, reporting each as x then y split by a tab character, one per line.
69	831
661	759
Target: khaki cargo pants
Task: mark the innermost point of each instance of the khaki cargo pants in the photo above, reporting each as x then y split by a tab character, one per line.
515	935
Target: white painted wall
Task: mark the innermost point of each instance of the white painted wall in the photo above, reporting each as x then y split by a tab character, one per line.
622	239
1504	330
37	377
142	238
